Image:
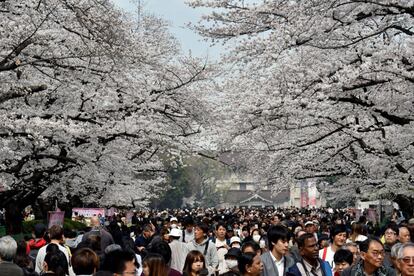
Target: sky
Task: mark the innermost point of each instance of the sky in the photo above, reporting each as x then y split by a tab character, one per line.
178	14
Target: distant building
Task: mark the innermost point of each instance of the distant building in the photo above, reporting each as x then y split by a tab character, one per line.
305	193
245	191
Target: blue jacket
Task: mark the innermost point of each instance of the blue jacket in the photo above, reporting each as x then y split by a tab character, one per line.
294	270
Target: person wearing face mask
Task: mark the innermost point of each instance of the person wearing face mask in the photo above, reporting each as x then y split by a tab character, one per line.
259	239
256	235
231	262
174	223
235	242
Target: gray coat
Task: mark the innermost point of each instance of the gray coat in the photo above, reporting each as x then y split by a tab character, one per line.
9	268
106	237
269	266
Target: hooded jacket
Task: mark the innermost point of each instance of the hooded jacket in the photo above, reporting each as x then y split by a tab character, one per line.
208	249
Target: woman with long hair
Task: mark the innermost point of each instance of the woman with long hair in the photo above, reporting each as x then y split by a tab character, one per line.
356	233
250	264
165	234
23	260
255	233
154	265
194	263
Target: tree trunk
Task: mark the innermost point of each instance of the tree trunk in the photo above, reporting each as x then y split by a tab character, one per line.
14	218
14	203
406	205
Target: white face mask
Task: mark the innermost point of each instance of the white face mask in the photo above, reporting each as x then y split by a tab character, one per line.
231	263
236	245
174	225
256	238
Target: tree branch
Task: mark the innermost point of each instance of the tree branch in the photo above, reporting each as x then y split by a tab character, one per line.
19	92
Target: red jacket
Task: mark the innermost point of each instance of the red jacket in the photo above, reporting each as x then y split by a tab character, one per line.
35	244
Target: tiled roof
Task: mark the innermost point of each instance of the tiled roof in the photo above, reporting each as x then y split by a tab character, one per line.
237	196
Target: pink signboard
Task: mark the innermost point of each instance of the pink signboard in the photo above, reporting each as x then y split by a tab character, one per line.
88	212
55	218
110	212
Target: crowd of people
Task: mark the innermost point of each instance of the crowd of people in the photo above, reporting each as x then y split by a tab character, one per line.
228	242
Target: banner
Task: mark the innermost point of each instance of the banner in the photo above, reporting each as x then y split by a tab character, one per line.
55	218
129	216
110	212
358	214
88	212
312	194
304	198
372	215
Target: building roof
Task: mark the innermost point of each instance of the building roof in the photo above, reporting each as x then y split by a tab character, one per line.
255	197
237	197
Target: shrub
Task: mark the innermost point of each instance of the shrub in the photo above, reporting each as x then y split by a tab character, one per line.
28	226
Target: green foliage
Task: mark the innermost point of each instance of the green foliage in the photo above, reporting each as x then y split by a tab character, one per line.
2	231
179	188
28	226
73	225
195	177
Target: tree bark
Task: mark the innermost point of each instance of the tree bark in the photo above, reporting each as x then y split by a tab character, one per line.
14	218
405	204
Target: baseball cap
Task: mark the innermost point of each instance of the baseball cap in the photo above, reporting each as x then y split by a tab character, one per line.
173	219
309	223
175	232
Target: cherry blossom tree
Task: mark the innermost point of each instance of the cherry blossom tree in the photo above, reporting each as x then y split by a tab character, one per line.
89	100
320	89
